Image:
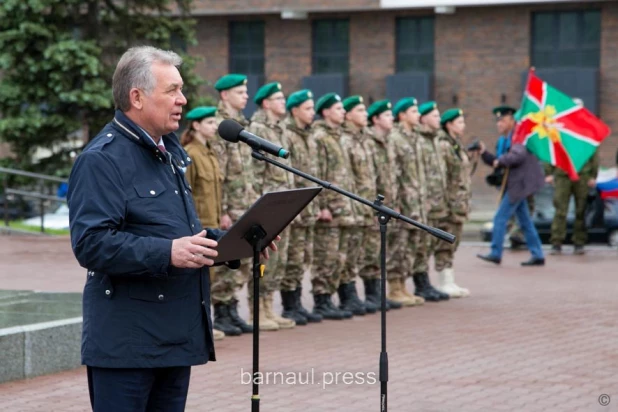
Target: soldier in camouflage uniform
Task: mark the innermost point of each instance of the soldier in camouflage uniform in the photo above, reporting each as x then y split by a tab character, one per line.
408	180
459	192
335	210
303	156
435	199
237	195
267	122
564	188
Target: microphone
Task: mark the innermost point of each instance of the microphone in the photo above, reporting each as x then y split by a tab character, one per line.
232	131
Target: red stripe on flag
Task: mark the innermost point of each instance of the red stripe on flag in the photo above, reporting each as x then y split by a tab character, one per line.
609	194
584	123
563	161
522	130
535	87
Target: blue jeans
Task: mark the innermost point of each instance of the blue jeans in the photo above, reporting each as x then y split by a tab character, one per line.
503	214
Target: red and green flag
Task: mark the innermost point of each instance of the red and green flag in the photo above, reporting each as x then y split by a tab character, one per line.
556	129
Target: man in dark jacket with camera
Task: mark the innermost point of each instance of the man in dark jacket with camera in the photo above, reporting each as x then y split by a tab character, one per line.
524	177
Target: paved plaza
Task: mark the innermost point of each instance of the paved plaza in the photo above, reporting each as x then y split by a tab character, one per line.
539	339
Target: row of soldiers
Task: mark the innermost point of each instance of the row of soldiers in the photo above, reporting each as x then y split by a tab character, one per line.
406	152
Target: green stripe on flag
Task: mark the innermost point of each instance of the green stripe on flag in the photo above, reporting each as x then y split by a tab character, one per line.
559	100
540	147
579	150
528	106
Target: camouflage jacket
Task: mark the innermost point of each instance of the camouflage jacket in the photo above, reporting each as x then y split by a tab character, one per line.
235	163
436	203
266	177
357	145
334	168
304	157
409	177
383	161
458	176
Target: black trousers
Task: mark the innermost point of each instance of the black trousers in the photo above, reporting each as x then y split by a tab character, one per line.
138	390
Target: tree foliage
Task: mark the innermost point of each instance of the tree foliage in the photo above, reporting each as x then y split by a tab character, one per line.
56	63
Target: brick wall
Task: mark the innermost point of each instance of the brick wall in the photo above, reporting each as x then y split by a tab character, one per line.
480	54
609	80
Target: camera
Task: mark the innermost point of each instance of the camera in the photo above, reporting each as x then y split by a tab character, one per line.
475	146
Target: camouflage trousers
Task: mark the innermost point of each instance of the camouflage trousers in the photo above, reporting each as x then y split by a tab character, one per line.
512	228
300	255
564	188
402	247
370	257
275	268
224	281
444	252
424	249
327	244
352	241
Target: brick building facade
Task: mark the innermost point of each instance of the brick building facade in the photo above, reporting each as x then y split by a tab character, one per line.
479	53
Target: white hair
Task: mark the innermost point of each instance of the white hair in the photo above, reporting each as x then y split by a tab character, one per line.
134	69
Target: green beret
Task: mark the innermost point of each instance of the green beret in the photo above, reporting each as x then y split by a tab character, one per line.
230	80
201	112
266	91
503	111
351	102
298	98
327	101
403	105
450	115
427	107
378	108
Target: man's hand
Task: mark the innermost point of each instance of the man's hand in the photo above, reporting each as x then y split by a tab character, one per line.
496	163
592	183
482	145
549	179
226	222
193	251
272	246
325	215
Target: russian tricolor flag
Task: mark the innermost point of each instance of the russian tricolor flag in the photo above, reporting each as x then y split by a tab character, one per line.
607	183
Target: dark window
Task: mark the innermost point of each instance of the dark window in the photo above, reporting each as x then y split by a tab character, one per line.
414	43
247	47
566	39
331	46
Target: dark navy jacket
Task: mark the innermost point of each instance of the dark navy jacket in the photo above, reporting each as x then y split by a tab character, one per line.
127	201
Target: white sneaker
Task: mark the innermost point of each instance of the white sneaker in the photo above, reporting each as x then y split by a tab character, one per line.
446	284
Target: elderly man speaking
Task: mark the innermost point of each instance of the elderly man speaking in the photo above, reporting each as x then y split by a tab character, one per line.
146	303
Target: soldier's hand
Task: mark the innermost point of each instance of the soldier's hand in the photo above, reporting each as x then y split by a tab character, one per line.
592	183
193	251
325	216
226	222
549	179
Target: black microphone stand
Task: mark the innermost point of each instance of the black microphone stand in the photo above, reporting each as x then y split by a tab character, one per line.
385	214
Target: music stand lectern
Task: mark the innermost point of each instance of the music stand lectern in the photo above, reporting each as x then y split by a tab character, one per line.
249	236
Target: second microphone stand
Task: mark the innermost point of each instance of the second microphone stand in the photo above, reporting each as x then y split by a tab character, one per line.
385	214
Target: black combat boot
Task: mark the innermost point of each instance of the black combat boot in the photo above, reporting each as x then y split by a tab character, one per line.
373	294
288	299
322	307
441	295
223	322
346	303
353	296
421	288
311	317
237	320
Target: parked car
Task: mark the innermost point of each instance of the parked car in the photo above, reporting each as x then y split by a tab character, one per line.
601	218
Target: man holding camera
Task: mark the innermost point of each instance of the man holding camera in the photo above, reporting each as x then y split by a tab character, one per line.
523	177
505	123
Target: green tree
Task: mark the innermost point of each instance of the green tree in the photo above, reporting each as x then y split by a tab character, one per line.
56	62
